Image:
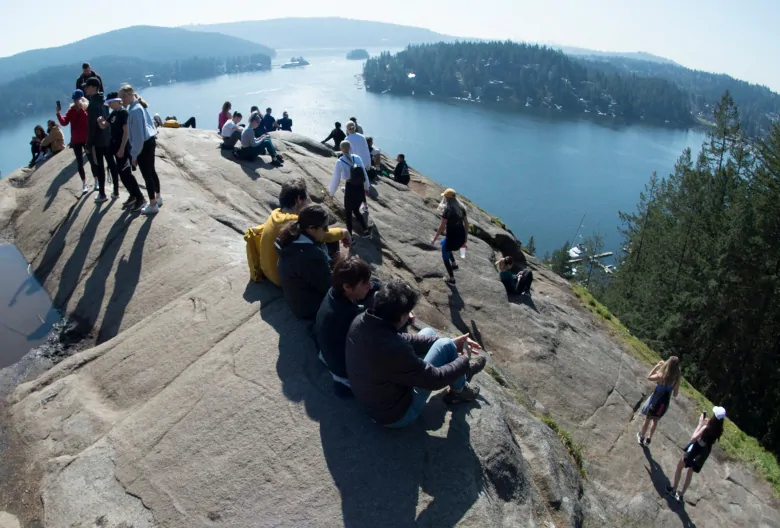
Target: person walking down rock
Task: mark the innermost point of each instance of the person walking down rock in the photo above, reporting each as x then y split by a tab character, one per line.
698	450
359	144
304	264
39	135
252	146
456	223
88	73
337	135
98	139
77	118
358	128
350	169
392	373
260	241
351	294
666	375
514	283
231	131
142	135
224	116
118	157
401	171
285	123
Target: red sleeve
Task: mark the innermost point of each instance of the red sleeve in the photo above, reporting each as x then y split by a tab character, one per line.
64	120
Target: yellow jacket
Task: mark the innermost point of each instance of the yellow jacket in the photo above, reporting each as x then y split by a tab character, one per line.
260	251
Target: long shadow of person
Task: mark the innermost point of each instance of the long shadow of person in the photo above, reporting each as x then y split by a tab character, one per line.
456	305
526	300
379	472
660	481
62	178
57	243
247	166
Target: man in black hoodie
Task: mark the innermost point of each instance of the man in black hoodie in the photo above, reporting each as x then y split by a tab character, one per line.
98	138
87	73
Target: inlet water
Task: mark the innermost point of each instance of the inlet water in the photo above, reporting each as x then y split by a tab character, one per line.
26	311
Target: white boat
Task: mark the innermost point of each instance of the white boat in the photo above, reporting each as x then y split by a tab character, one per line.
295	62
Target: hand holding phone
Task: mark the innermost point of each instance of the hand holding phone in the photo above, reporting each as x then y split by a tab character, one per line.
59	106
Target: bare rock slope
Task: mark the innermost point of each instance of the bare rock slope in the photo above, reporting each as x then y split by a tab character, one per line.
199	401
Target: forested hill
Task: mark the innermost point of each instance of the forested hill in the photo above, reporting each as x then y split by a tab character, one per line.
38	92
524	74
759	107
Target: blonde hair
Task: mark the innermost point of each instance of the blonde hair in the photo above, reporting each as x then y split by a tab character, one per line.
505	263
670	371
83	102
128	89
453	204
351	126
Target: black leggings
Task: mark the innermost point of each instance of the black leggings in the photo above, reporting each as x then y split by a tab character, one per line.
96	163
78	150
190	123
120	169
354	196
145	162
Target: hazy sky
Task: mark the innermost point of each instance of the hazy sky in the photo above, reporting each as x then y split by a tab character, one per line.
738	38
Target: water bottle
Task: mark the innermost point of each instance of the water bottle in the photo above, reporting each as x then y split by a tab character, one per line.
463	251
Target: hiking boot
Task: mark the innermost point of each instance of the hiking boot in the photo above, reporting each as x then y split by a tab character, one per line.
150	209
101	198
139	205
647	442
468	393
476	365
130	202
640	439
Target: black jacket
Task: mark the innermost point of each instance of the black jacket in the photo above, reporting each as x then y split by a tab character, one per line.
97	137
337	135
304	274
334	317
401	173
81	82
384	366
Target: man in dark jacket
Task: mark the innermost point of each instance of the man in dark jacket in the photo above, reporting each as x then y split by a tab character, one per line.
98	139
337	135
285	123
385	368
351	293
88	73
269	121
401	172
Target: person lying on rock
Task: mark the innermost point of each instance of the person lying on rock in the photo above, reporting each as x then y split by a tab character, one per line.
260	240
304	264
231	131
337	135
514	283
454	219
392	373
698	450
352	292
666	375
252	147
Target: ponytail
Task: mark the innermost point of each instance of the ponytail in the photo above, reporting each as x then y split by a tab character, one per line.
128	89
141	101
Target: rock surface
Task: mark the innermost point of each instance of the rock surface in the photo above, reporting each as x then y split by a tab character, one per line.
199	400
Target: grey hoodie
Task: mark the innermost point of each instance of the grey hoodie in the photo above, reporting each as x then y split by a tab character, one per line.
140	128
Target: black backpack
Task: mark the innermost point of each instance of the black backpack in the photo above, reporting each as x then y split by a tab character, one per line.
356	176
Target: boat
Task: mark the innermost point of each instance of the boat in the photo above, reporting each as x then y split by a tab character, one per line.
295	62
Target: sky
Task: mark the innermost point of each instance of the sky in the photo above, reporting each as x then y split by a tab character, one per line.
741	39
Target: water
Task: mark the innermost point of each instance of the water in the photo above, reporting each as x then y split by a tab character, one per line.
26	312
539	172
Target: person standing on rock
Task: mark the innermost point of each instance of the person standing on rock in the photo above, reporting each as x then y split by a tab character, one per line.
667	376
76	117
358	128
98	139
143	144
454	219
350	169
88	73
359	143
384	366
698	449
260	240
304	264
337	135
118	157
224	115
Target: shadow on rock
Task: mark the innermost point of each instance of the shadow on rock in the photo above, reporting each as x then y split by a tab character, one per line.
61	179
660	481
247	166
57	243
525	300
379	472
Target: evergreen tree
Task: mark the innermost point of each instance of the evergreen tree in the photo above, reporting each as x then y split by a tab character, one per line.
531	248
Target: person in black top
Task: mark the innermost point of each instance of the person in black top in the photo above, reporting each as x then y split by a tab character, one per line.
35	144
269	122
401	171
337	135
98	139
453	217
88	73
285	123
118	155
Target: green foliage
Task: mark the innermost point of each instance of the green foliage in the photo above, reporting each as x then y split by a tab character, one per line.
496	375
531	247
559	261
357	54
571	446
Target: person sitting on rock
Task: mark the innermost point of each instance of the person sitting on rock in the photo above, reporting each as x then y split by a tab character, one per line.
666	375
337	135
224	116
35	145
376	157
269	122
359	144
351	293
515	283
55	139
454	219
285	123
304	264
698	450
293	197
252	146
231	131
385	369
401	171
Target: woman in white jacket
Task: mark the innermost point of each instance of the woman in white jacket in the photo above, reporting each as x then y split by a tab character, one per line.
351	169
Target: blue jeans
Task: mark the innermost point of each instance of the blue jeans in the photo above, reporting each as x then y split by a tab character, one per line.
446	255
443	351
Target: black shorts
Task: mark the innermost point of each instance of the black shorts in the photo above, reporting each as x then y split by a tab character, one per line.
696	455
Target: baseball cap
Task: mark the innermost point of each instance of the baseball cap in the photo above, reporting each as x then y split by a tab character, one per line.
77	94
719	412
111	97
449	193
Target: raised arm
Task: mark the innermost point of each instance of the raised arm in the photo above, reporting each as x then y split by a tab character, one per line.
64	121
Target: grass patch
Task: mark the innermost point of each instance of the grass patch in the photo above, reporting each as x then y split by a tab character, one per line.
571	446
496	375
734	441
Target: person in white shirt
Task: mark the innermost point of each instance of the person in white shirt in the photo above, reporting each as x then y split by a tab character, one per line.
359	143
351	169
231	131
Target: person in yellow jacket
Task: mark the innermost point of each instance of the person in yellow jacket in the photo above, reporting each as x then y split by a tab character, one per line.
55	141
261	253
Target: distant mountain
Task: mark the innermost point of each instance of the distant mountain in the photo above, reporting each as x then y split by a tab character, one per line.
332	32
635	55
157	43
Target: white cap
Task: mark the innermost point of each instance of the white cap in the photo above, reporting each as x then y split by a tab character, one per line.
719	412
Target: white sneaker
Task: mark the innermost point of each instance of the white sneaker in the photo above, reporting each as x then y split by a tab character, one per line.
84	189
95	186
150	209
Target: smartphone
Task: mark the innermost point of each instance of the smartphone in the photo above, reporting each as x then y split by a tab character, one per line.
59	106
704	414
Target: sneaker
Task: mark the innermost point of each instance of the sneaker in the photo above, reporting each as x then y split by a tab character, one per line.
454	266
130	201
468	393
150	209
647	442
640	439
476	365
114	195
84	189
670	490
679	497
139	205
159	200
449	280
100	198
95	186
279	158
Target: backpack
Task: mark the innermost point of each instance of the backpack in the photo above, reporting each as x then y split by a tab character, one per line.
356	176
524	282
252	238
